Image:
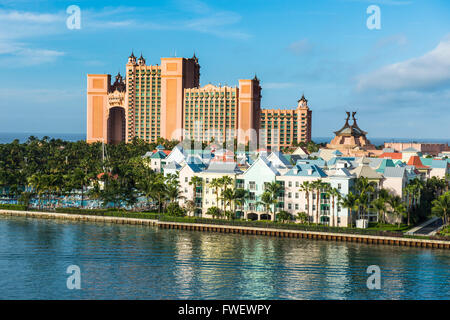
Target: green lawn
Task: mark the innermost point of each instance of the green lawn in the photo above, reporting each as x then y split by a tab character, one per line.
389	227
445	231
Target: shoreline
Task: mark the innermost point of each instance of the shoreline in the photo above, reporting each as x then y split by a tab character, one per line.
317	235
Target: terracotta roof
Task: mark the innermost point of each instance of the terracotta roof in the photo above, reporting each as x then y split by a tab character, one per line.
165	151
415	161
392	155
100	175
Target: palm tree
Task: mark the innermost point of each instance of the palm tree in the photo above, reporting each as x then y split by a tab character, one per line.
441	206
195	182
145	183
383	194
215	212
379	205
306	188
365	188
157	189
225	181
318	186
228	197
240	196
39	184
410	192
419	186
216	184
303	216
350	202
397	207
335	195
274	188
267	201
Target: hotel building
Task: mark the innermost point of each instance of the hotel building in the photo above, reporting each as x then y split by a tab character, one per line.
167	101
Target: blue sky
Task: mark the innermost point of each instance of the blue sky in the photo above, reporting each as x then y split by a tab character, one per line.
397	78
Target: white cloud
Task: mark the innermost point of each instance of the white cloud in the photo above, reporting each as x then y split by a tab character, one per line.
16	27
428	72
300	47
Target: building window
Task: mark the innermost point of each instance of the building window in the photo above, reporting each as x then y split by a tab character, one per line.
339	186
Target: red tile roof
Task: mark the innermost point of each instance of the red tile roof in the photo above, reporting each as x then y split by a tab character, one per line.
416	162
165	151
392	155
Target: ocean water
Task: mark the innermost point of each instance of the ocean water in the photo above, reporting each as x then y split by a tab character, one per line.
380	141
139	262
7	137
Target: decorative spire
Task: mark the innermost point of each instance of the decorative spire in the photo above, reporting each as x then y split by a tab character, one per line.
119	77
255	77
141	60
132	58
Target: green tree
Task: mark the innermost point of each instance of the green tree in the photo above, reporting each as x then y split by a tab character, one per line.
306	188
215	212
335	200
274	189
350	202
397	208
303	217
284	216
441	207
174	209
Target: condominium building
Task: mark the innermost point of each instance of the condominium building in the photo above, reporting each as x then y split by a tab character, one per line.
167	101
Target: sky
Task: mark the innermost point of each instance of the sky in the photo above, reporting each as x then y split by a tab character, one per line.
396	77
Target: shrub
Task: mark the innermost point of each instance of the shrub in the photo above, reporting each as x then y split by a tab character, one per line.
20	207
174	209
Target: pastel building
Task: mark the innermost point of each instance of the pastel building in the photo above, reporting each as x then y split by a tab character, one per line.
254	179
216	170
167	101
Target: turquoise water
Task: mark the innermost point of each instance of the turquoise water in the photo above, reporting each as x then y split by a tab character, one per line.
137	262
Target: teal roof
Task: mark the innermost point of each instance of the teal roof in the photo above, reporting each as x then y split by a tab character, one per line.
384	164
158	155
306	170
426	161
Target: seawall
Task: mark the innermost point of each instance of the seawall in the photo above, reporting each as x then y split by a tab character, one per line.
369	239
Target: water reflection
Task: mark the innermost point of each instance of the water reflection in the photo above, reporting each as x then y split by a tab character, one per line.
136	262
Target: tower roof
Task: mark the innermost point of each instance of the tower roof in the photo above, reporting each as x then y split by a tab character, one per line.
303	99
350	130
